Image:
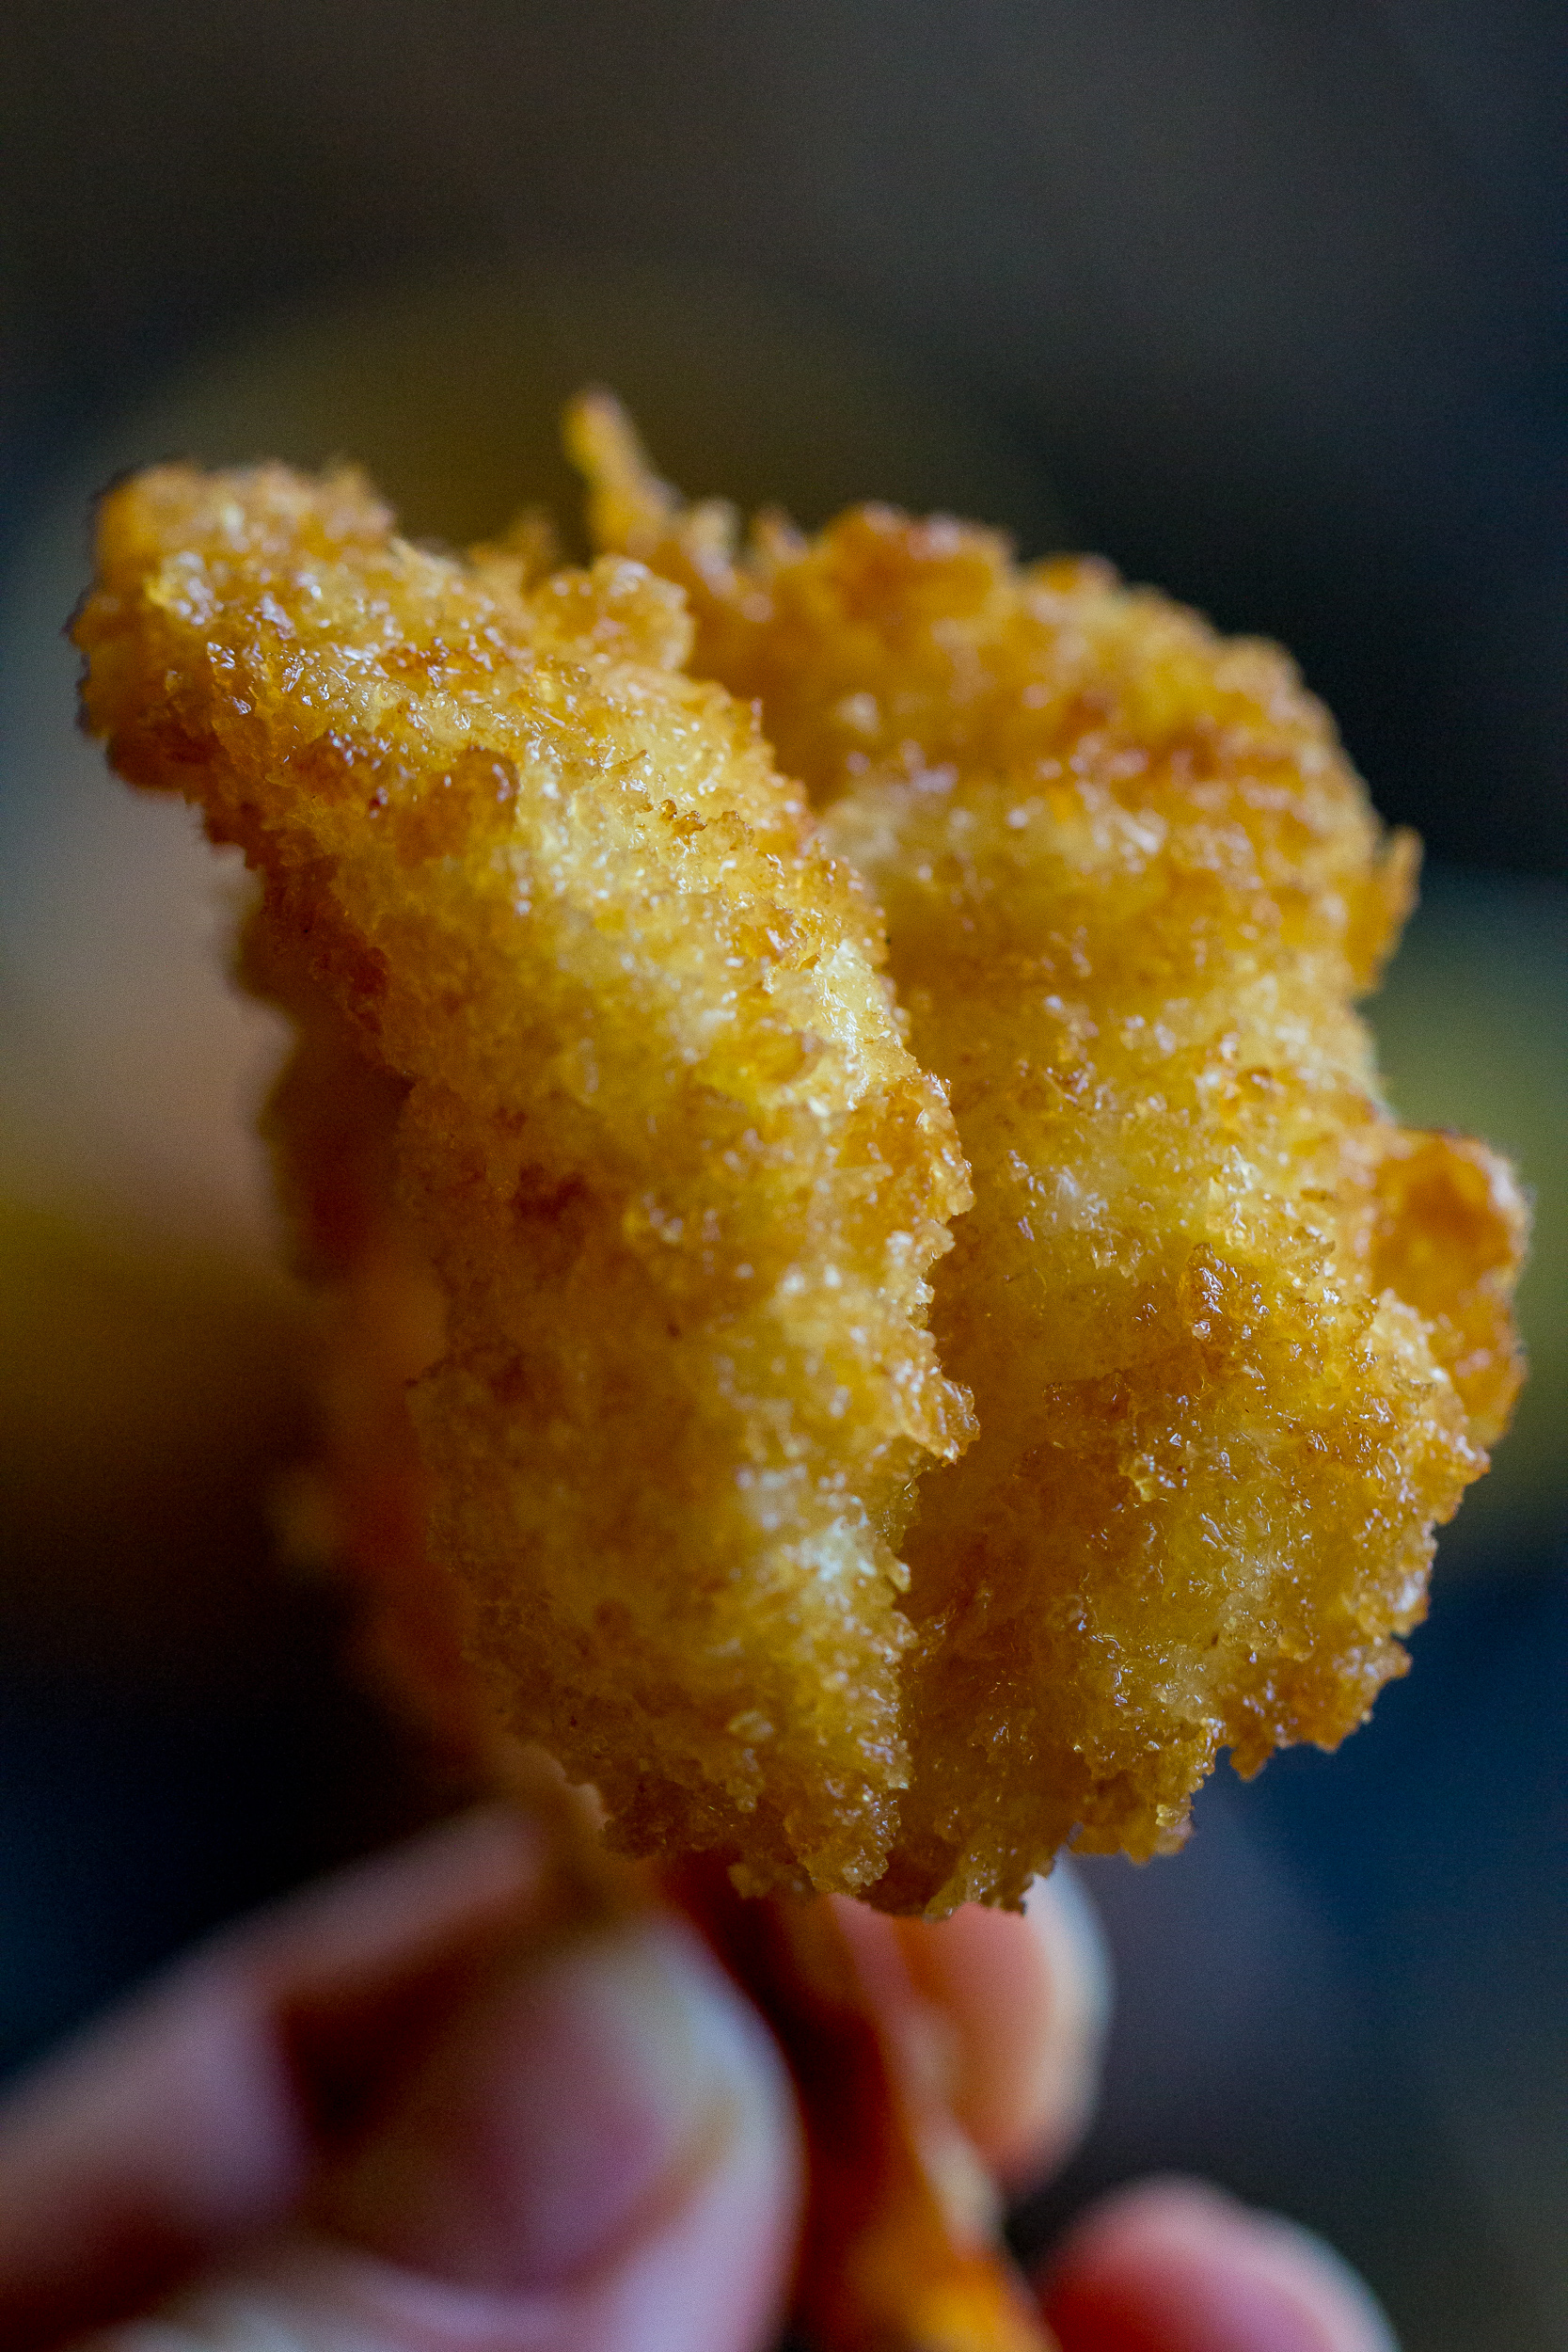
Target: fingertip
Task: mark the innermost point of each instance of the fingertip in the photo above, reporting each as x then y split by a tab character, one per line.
1027	2000
602	2156
1076	1962
1176	2266
562	2109
604	2144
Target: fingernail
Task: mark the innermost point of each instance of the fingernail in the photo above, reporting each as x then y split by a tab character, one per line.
566	2108
1179	2263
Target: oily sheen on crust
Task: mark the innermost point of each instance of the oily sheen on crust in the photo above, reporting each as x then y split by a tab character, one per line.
590	1032
1236	1339
547	915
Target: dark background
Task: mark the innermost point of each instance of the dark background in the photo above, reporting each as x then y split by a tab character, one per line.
1267	302
1277	290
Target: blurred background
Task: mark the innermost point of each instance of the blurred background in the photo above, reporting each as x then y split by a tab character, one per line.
1268	304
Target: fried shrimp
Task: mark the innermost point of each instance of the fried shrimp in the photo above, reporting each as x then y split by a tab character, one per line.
603	1130
585	1007
1236	1340
604	1140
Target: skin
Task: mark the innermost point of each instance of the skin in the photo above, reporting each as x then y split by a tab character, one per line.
424	2106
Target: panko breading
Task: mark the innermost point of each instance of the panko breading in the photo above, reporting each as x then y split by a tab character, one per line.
567	958
1236	1339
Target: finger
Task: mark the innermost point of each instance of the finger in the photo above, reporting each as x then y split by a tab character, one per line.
1177	2266
200	2112
595	2154
1027	2003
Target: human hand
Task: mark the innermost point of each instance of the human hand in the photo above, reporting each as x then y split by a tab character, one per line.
418	2110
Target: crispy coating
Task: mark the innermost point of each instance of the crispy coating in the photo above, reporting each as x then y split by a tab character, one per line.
1236	1339
586	1008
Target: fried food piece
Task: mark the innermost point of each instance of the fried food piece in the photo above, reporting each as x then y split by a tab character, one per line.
1236	1339
566	958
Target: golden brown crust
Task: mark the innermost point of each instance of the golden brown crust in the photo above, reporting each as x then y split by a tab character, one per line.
591	1026
656	1127
1235	1339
